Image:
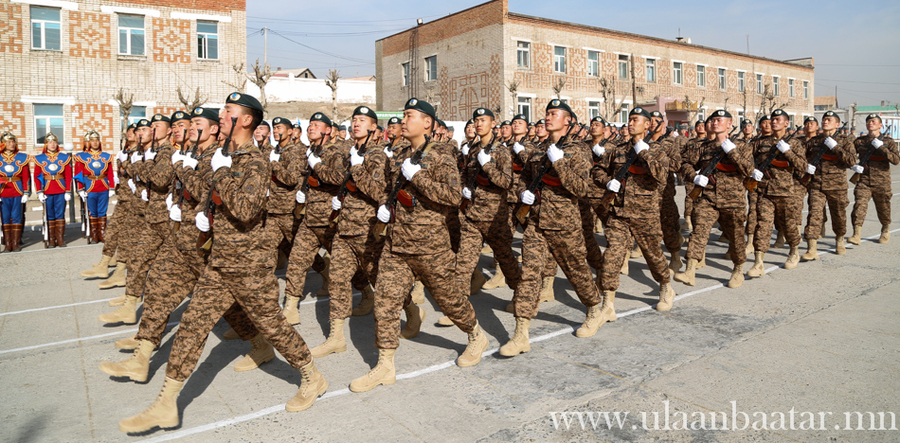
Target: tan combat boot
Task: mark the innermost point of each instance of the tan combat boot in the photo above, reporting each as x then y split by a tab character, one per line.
758	269
793	258
779	240
497	281
326	277
857	235
478	281
687	225
162	413
366	302
127	343
519	343
334	343
445	321
478	343
749	244
624	270
636	252
839	247
136	367
382	374
418	293
117	279
675	263
702	262
311	388
99	270
547	294
812	253
688	277
608	311
127	313
592	321
737	277
231	334
290	311
822	234
885	234
414	318
118	301
666	297
260	352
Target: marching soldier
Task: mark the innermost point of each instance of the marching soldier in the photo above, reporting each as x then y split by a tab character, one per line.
261	136
52	178
874	178
765	129
700	130
590	206
296	133
668	209
14	190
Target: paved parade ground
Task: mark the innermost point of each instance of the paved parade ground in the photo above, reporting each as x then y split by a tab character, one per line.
800	355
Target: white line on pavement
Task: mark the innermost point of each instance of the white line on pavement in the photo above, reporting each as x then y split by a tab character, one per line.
74	340
55	307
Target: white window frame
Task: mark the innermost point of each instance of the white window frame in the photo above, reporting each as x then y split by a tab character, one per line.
431	73
593	108
776	85
677	72
43	31
593	65
203	41
806	89
559	61
119	29
701	76
627	62
523	102
40	130
742	81
624	109
791	87
760	80
650	69
723	79
523	53
404	73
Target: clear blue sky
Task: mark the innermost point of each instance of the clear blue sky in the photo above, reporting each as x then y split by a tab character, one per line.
854	43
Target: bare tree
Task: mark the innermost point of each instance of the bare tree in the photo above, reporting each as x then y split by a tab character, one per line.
610	104
241	75
259	77
768	102
691	110
558	86
332	82
190	104
126	102
513	88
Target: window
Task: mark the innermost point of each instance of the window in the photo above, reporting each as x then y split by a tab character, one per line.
623	66
742	83
559	59
137	113
791	87
524	107
431	68
593	109
593	63
776	82
45	28
207	40
791	118
405	67
48	118
523	54
740	115
701	76
701	114
805	90
131	34
651	70
623	113
759	84
722	78
677	73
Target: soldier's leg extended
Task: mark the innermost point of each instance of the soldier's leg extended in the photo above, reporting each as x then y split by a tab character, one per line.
732	220
765	219
815	201
303	253
588	223
344	263
861	196
882	197
535	256
788	209
671	229
146	244
648	235
500	240
705	215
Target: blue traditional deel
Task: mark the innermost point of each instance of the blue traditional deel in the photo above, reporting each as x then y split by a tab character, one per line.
93	170
50	172
14	174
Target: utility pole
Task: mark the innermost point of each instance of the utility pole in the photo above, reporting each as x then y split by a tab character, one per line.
265	32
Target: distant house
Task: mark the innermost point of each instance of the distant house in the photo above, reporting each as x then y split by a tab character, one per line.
297	73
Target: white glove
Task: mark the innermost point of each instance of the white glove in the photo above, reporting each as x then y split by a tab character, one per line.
112	192
877	143
384	214
122	156
301	197
467	193
202	222
783	146
613	185
220	161
355	158
175	213
313	161
598	150
640	146
483	157
409	169
701	180
68	197
82	194
830	143
554	153
465	150
25	198
388	153
857	169
149	155
527	197
41	197
177	157
728	145
518	148
810	169
335	203
274	157
144	196
189	162
757	175
169	202
135	157
132	186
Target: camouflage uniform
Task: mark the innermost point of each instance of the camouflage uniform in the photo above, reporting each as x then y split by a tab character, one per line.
521	184
829	184
143	240
875	181
590	208
686	146
282	193
779	194
668	210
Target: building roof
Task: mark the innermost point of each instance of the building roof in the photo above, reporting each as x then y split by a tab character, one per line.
297	72
365	78
826	101
870	109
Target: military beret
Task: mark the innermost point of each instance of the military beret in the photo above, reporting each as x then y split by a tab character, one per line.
364	110
297	126
180	115
598	119
441	123
320	117
264	123
559	104
530	124
482	112
764	118
810	118
451	129
131	127
379	127
142	123
779	112
210	114
245	100
746	122
334	125
50	137
7	136
342	128
90	135
160	118
721	113
656	114
282	121
700	121
497	127
520	117
505	123
470	122
873	116
831	114
394	121
540	122
421	106
640	111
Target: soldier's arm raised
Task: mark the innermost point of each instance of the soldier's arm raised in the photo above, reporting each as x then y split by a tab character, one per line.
244	197
440	181
369	177
499	169
575	171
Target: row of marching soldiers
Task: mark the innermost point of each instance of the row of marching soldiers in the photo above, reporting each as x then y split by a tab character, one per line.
209	213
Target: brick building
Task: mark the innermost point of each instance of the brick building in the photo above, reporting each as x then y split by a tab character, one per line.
488	56
65	60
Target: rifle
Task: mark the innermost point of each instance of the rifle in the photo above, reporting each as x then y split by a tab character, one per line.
623	173
381	227
205	239
300	209
763	167
864	159
537	183
710	167
818	157
85	222
342	193
473	181
46	226
178	185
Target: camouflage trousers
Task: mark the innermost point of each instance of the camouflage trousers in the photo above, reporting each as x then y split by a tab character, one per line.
145	242
217	291
498	236
731	221
590	208
172	278
688	201
751	213
837	203
550	266
880	194
454	224
621	233
784	213
349	256
568	249
307	242
397	272
111	243
287	228
669	218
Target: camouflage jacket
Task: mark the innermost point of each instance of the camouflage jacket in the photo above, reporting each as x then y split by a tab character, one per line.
195	186
831	173
491	183
365	190
324	183
286	173
159	176
781	178
877	172
566	181
726	184
639	194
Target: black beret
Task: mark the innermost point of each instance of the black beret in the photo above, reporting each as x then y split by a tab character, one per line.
530	124
245	100
394	121
559	104
450	129
281	121
142	123
505	123
481	112
342	128
210	114
700	121
364	110
873	116
180	115
779	112
831	114
379	128
764	118
264	123
721	113
598	119
656	114
540	122
334	125
640	111
131	126
297	126
810	118
746	122
421	106
470	122
520	117
441	123
320	117
160	118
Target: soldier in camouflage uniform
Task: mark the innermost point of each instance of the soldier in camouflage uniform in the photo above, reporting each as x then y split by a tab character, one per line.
240	271
589	205
700	129
765	130
668	210
875	178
